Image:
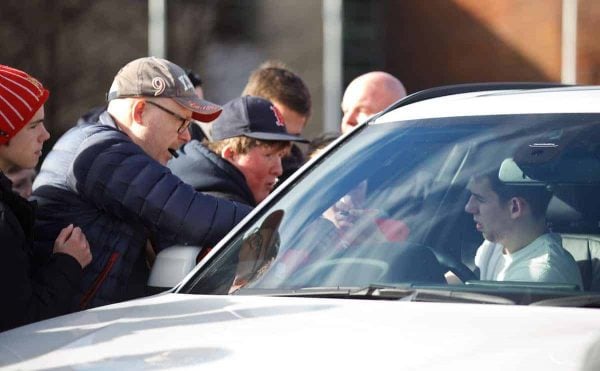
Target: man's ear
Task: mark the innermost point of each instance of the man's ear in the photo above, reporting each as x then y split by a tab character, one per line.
517	207
228	153
138	111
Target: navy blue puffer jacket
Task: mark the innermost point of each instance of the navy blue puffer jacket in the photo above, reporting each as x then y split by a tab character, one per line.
98	179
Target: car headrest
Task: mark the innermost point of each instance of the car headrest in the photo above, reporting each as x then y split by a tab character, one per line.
556	157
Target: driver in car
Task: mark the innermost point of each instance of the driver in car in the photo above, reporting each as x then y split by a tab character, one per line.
517	245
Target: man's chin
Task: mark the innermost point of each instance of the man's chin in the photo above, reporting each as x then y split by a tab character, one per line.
163	159
490	237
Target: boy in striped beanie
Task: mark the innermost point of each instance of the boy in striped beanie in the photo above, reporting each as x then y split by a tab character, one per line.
32	291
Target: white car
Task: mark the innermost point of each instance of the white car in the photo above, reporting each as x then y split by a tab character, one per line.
347	264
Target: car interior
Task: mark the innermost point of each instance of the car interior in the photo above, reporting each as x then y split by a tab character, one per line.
568	165
564	161
427	191
574	214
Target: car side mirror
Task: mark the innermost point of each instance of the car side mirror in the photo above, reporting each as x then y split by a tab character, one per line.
171	266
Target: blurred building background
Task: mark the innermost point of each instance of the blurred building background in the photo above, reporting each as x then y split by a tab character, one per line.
76	46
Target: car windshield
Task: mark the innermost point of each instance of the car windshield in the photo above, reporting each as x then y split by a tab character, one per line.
387	207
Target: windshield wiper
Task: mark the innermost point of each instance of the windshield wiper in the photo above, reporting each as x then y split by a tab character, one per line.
442	295
581	301
385	292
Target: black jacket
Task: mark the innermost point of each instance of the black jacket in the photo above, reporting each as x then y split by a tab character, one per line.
208	173
31	291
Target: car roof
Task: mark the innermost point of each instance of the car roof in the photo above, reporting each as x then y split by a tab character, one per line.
573	99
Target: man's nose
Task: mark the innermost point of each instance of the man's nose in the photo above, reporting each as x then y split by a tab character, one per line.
45	135
349	119
185	135
470	206
278	167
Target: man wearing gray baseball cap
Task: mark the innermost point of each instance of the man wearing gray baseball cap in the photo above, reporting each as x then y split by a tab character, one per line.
110	176
157	77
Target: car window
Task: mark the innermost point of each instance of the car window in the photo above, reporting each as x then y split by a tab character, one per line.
387	207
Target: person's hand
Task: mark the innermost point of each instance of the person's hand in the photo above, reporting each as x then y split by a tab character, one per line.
359	224
375	225
71	240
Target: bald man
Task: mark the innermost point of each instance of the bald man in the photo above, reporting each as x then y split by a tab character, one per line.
368	94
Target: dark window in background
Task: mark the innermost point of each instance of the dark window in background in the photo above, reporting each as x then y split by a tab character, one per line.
363	49
235	20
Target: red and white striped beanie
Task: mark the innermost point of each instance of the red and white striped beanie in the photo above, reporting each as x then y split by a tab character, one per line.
21	96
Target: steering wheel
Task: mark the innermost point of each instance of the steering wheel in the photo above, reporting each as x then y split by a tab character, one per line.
455	266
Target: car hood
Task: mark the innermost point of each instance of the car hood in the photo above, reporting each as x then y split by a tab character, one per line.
176	331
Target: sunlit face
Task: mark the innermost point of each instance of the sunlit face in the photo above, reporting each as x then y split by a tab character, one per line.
294	121
364	98
25	148
357	109
492	218
261	167
160	130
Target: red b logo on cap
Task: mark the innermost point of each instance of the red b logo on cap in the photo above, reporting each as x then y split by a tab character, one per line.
279	121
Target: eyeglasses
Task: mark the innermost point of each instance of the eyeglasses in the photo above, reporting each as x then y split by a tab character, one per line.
185	122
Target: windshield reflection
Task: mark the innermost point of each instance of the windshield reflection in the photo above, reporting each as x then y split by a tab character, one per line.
389	207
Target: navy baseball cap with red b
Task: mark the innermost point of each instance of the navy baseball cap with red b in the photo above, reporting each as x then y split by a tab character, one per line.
251	117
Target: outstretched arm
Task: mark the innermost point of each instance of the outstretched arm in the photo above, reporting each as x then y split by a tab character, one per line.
117	176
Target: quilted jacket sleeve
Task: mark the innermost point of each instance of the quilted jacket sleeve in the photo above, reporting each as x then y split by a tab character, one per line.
118	177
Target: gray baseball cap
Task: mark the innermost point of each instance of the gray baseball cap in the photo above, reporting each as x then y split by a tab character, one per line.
156	77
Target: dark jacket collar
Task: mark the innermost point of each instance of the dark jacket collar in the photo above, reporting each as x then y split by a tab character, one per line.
5	183
107	120
207	172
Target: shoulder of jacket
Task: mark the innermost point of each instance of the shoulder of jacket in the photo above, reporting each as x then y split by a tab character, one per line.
102	138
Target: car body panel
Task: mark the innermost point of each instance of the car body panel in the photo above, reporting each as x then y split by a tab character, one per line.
176	331
564	100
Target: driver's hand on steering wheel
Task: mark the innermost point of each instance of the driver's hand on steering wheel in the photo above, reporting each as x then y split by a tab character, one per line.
452	279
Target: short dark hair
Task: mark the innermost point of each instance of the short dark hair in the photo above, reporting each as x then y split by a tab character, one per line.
537	196
275	82
321	141
194	78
